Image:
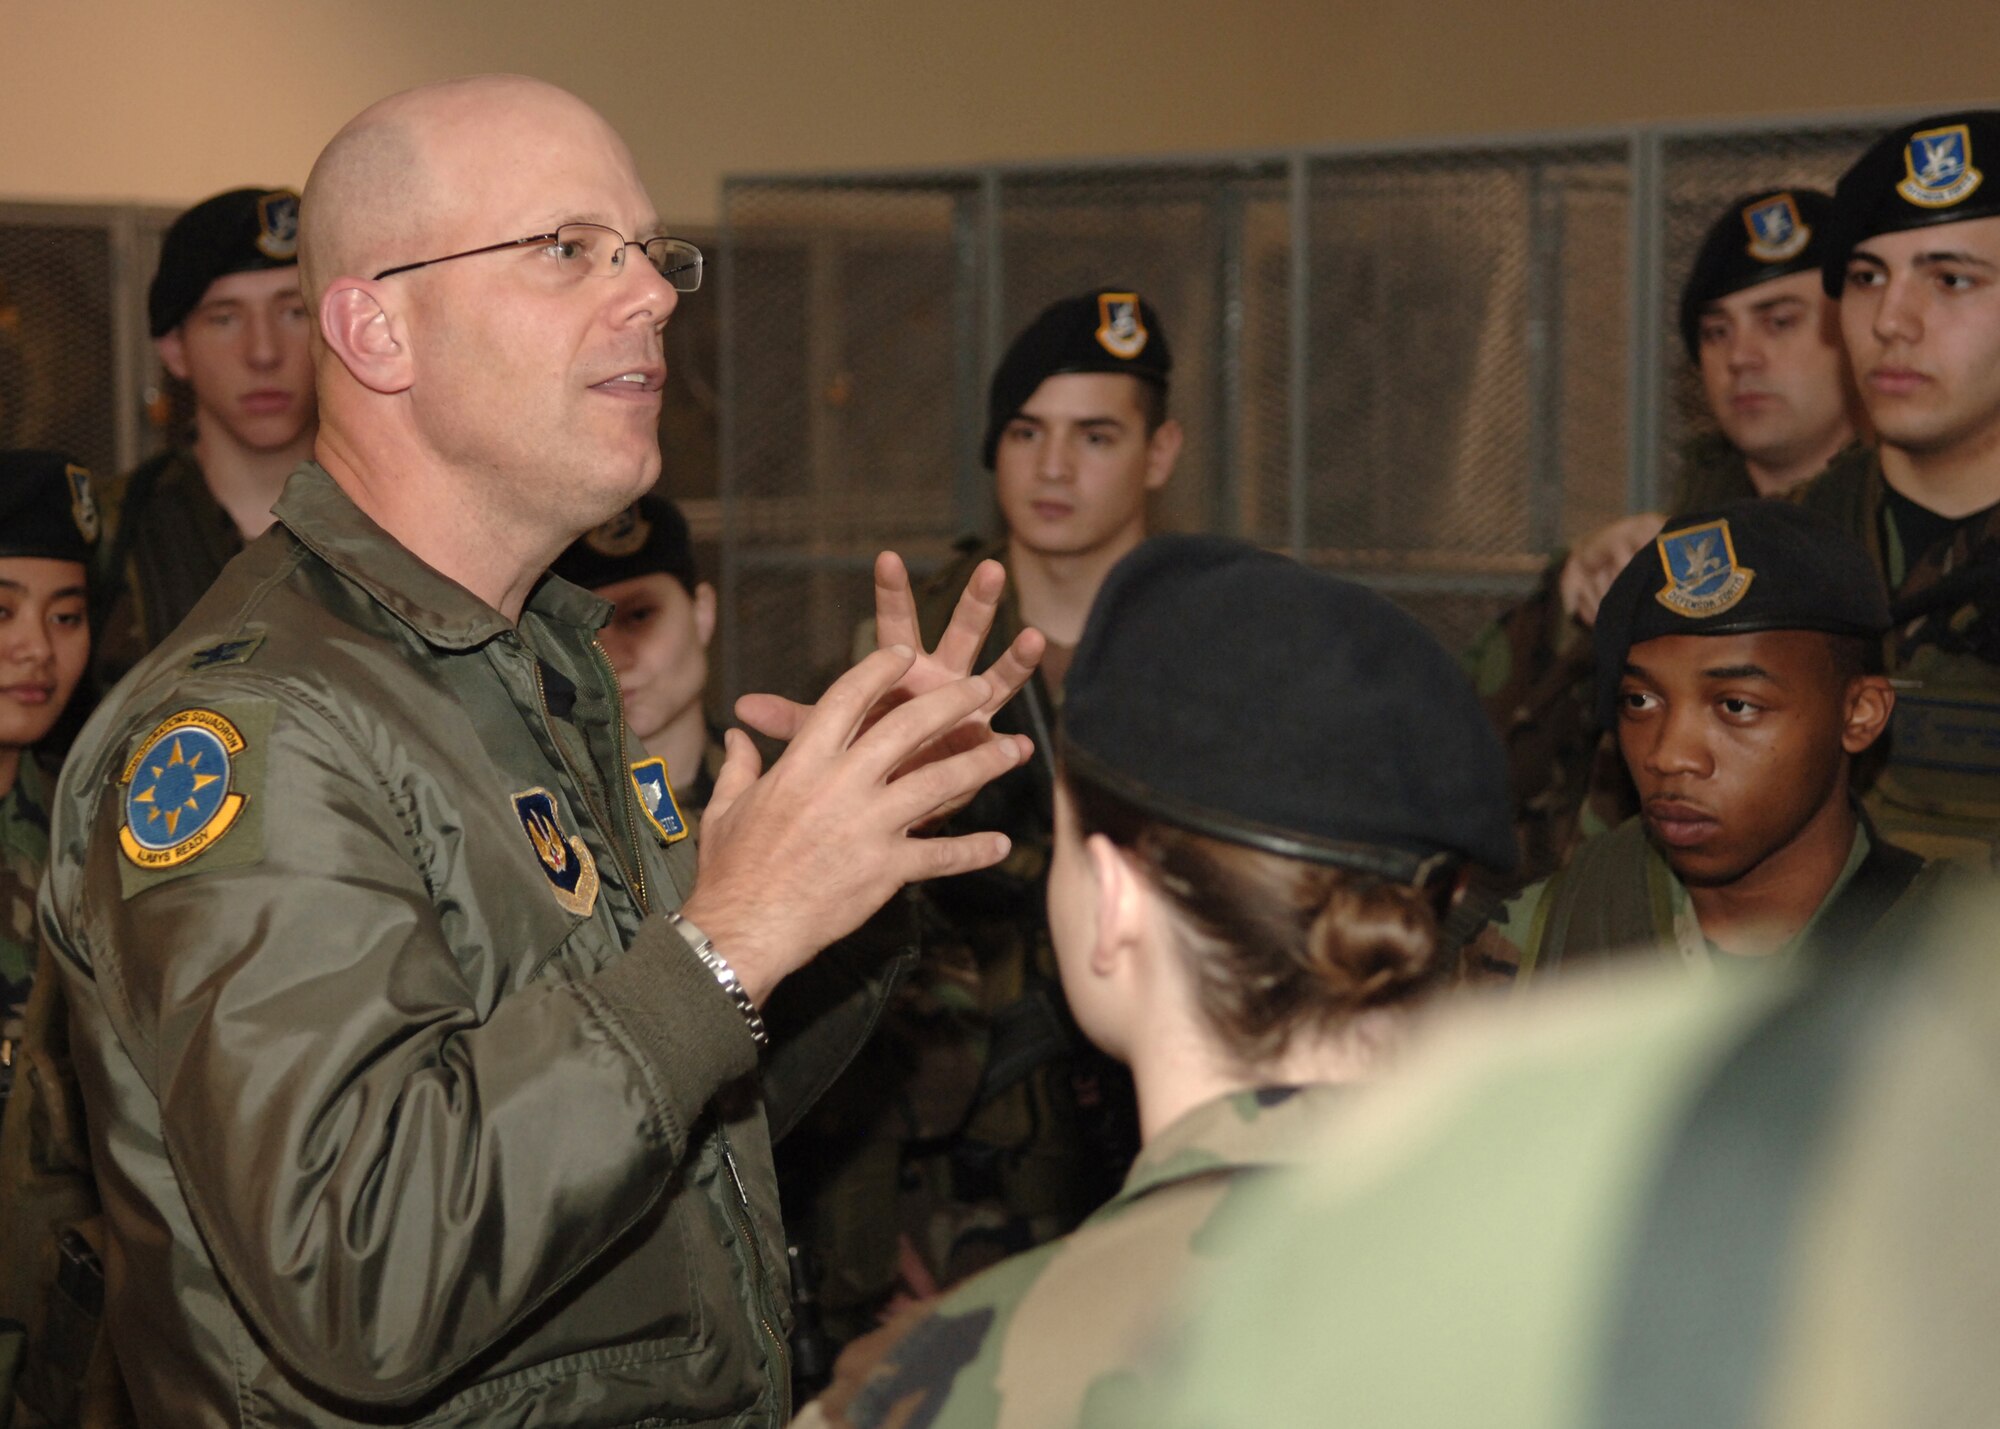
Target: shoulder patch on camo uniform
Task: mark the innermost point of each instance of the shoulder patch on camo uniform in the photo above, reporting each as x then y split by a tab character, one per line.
190	795
1938	167
1703	578
657	801
565	860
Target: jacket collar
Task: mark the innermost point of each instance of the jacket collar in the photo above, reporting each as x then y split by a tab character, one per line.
1250	1130
325	520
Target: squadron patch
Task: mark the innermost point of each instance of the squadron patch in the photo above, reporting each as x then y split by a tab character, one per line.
1703	578
178	801
278	225
1938	165
622	535
656	798
82	504
1120	330
1776	230
571	871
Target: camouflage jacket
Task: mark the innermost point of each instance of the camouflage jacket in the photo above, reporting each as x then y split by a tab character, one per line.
1938	791
1051	1336
979	1122
24	853
1533	668
167	540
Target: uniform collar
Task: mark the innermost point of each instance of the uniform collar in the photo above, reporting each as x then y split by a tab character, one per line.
1266	1127
326	521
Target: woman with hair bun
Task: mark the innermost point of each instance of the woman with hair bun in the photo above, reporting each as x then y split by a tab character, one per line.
1274	788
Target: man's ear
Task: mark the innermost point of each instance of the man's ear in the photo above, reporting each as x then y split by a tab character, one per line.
1871	699
704	612
173	354
364	332
1163	449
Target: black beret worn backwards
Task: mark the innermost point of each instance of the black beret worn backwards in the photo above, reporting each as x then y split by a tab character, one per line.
1107	330
46	507
1236	693
1733	570
1759	237
648	537
237	232
1936	170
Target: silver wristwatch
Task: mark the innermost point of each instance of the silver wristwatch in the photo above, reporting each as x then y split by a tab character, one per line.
704	948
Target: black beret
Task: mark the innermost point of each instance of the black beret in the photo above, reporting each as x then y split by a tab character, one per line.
46	507
648	537
1108	330
1932	171
1234	692
1755	565
1760	236
237	232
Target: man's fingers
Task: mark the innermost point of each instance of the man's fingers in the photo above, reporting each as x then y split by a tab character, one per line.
772	716
831	724
741	764
915	723
948	784
947	857
895	604
1011	670
972	618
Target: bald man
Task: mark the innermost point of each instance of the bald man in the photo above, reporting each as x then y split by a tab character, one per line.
423	1068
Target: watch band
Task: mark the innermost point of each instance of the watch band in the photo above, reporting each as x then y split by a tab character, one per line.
703	947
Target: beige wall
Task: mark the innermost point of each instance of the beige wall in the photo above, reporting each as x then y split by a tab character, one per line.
164	101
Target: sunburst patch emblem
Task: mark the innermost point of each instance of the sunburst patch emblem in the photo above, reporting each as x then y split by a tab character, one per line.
565	859
177	800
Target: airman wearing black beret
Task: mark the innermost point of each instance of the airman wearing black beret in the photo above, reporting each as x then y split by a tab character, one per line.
1078	438
1739	661
48	529
1913	255
231	328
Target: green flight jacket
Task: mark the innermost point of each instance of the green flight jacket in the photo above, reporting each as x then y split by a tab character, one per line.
1050	1337
405	1101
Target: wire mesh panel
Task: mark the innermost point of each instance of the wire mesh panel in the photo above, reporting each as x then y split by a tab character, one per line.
847	310
57	362
1444	452
1700	174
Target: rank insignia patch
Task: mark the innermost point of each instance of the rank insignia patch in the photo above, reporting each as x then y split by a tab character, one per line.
177	800
82	505
278	224
622	535
1120	330
227	652
1938	164
656	798
1776	230
1703	578
571	871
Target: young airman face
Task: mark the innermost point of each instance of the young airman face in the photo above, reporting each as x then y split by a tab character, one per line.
1737	742
1920	311
1072	470
535	380
245	350
44	644
1773	370
657	640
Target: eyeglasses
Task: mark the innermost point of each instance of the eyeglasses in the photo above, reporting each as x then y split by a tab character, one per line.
592	250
